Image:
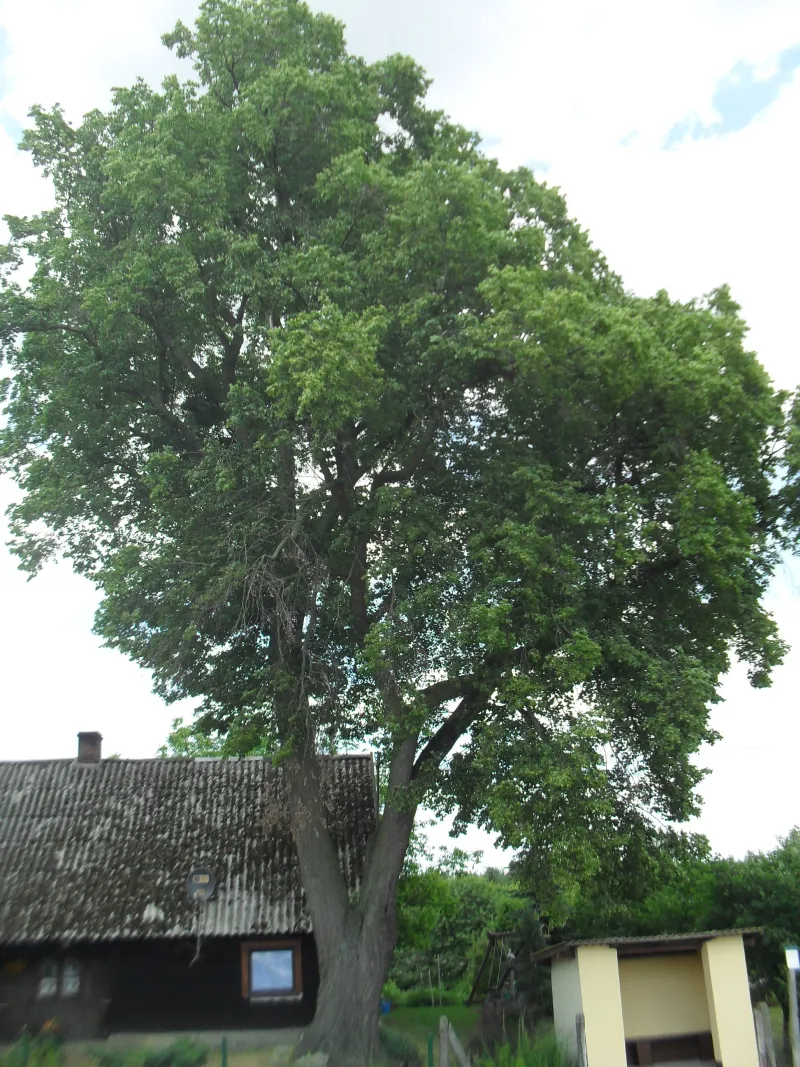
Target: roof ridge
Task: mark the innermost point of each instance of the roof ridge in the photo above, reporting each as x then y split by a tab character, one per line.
170	759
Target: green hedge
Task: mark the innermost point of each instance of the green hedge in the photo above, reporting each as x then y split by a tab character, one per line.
421	998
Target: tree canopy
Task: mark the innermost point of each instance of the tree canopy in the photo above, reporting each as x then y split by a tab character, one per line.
361	440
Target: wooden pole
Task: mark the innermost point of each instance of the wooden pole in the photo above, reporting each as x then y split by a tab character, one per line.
761	1038
794	1023
458	1048
769	1037
444	1024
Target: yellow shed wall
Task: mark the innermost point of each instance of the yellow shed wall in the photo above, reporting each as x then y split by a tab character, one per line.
602	1006
567	1003
728	995
663	995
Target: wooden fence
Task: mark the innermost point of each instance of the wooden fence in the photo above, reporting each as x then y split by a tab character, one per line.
448	1041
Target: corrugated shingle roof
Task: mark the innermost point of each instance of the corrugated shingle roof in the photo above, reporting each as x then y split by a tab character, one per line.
101	851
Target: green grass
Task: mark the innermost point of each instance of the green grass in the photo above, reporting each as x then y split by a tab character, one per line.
776	1018
417	1023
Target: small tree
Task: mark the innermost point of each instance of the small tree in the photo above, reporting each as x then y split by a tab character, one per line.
361	441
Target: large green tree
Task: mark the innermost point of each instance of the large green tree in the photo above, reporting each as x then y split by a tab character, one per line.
361	440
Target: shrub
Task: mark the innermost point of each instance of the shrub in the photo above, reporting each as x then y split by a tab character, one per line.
421	998
181	1053
393	993
399	1048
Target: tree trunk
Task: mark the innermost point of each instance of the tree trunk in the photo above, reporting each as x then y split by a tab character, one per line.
355	939
345	1025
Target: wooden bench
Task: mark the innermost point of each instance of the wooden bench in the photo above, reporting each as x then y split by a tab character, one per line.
644	1051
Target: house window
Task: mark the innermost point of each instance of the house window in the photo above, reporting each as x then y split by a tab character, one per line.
271	970
48	979
70	978
56	978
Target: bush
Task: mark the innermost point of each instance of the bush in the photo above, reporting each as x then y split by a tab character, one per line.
399	1048
421	998
542	1049
181	1053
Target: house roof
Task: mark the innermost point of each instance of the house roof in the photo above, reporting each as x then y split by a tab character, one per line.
100	851
658	945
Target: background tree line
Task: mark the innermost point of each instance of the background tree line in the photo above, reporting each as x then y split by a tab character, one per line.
652	882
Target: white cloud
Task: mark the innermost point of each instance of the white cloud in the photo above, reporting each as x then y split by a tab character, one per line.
561	83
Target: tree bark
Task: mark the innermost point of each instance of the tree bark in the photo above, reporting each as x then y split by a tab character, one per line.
345	1026
354	938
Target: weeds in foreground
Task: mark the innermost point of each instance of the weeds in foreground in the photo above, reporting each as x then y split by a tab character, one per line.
398	1048
541	1049
43	1050
181	1053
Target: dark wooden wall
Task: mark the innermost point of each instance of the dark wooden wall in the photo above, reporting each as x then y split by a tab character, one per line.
78	1016
147	986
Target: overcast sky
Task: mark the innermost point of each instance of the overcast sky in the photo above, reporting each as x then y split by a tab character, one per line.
672	128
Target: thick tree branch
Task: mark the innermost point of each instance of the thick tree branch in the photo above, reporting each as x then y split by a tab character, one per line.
357	579
454	726
171	346
169	417
62	327
645	571
407	471
234	346
448	689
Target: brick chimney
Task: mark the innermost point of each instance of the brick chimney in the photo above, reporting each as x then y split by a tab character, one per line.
90	747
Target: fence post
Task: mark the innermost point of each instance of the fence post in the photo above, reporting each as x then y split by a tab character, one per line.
580	1027
224	1051
761	1037
769	1037
458	1048
430	1050
444	1025
794	1023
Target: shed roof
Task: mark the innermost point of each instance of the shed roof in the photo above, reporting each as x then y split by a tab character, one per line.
101	851
658	945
